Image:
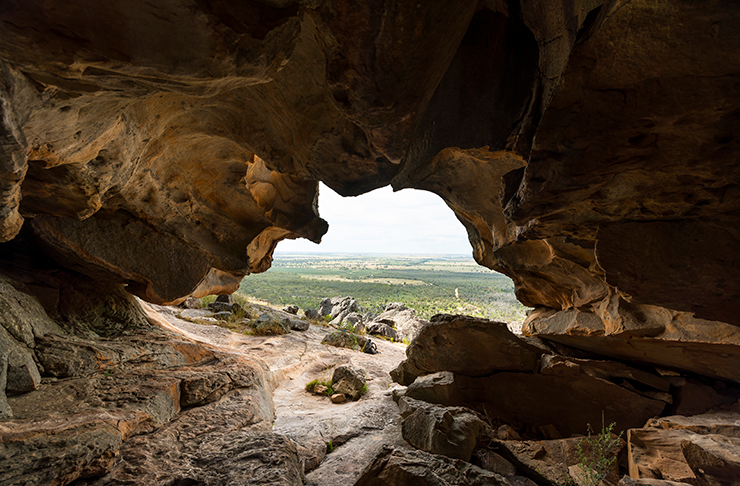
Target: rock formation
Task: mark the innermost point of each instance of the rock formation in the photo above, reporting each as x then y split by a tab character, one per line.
162	149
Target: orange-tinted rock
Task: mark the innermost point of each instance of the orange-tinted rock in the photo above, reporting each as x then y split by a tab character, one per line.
646	334
467	345
677	448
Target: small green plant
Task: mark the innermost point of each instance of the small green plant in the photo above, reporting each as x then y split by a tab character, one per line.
311	386
329	447
595	453
406	341
364	389
107	373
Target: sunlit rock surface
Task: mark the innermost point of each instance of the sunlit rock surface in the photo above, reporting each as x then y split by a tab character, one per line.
164	148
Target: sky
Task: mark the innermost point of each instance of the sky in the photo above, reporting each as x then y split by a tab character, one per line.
383	221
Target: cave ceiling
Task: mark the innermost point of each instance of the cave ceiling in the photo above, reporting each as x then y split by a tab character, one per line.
590	148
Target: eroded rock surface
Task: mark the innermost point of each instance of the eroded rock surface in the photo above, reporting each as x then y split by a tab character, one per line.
163	149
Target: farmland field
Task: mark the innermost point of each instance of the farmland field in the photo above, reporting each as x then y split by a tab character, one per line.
433	284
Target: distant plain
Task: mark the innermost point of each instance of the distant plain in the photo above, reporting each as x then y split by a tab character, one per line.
431	284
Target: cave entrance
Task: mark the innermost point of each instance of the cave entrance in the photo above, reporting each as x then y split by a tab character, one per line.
385	247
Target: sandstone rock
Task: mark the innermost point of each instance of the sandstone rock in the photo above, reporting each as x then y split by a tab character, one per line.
567	394
61	450
466	345
223	315
291	309
438	388
5	411
648	335
299	325
678	448
191	303
394	466
507	432
22	372
549	460
337	307
450	431
657	454
225	299
714	459
490	461
343	339
356	320
311	314
268	325
628	481
694	395
320	389
338	398
349	381
382	329
402	319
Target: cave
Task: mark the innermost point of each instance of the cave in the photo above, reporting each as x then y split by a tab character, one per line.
157	151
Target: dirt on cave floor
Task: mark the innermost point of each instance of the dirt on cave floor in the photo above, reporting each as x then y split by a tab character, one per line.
336	441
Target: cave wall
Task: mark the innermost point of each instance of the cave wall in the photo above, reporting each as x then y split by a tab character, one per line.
589	147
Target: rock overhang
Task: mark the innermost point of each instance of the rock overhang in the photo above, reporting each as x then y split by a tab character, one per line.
589	148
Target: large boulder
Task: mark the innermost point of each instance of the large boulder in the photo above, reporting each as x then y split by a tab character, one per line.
382	329
394	466
467	345
552	461
349	381
702	449
648	335
450	431
337	307
567	394
402	319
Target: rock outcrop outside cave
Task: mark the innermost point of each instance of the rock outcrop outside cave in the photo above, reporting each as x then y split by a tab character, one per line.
162	150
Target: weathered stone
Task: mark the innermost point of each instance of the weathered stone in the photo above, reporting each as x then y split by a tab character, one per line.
656	454
450	431
466	345
337	307
225	299
343	339
490	461
382	329
714	459
549	460
299	325
311	314
5	411
567	394
694	395
355	320
402	319
394	466
662	448
191	303
349	380
269	325
628	481
291	309
338	398
648	335
439	388
223	315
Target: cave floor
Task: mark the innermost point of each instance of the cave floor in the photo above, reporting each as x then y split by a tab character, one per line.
336	441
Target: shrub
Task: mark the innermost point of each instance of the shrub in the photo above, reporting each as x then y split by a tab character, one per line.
311	386
595	453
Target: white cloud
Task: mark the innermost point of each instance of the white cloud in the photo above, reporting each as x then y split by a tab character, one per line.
383	221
